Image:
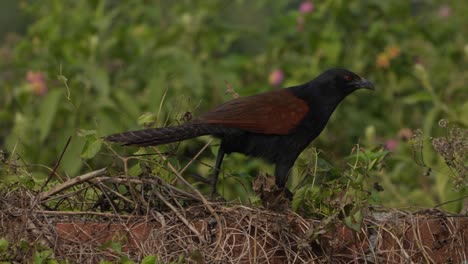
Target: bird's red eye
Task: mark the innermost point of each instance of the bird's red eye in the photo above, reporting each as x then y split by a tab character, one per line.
348	77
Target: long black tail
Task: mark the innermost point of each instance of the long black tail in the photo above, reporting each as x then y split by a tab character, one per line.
164	135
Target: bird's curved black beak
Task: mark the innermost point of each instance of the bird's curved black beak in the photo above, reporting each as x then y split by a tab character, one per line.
363	83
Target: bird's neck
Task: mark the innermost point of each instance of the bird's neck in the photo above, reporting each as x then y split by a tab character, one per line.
321	104
317	98
321	111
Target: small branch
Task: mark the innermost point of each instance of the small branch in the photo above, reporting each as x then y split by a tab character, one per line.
75	213
72	182
200	178
99	180
149	181
202	198
196	156
451	201
179	215
135	196
56	164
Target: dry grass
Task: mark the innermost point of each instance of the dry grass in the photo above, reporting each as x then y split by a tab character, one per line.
178	225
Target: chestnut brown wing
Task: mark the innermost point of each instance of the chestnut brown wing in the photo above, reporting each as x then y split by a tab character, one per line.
277	112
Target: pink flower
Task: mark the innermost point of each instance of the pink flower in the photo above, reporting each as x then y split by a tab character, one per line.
405	134
276	77
37	82
445	11
306	7
391	144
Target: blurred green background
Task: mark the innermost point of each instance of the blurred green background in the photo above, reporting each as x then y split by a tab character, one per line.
89	68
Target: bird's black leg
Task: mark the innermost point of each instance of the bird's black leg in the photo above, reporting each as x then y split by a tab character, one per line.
282	171
219	160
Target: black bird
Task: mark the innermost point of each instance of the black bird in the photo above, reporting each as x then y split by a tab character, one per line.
276	125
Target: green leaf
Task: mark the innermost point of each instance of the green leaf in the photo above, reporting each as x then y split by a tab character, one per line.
417	98
127	103
299	197
146	118
47	112
126	260
151	259
25	180
135	170
181	258
99	79
4	245
70	162
41	257
354	221
368	155
376	154
114	245
91	147
86	133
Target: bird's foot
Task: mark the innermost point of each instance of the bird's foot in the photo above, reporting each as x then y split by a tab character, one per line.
288	194
276	200
215	196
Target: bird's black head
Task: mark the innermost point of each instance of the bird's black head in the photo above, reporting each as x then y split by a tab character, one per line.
343	81
331	87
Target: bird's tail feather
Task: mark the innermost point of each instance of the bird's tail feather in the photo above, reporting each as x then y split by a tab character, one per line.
164	135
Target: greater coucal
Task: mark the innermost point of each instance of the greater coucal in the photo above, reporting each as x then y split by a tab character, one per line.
276	125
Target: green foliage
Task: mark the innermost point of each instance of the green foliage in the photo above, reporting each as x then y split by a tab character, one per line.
330	194
89	68
116	246
44	257
3	245
149	260
92	145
